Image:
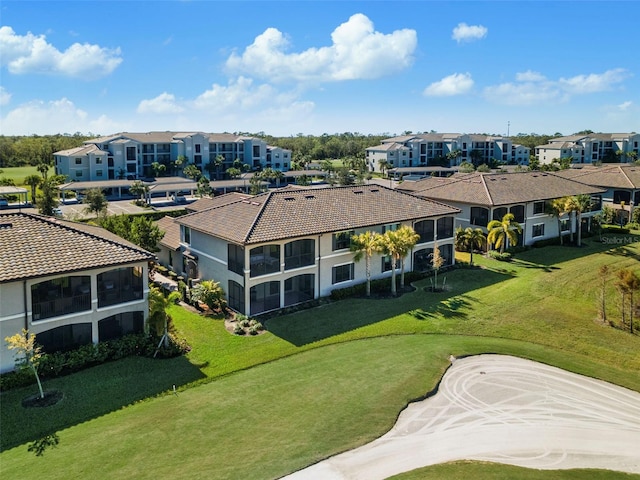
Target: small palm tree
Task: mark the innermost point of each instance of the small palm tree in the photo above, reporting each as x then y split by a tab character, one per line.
366	245
474	238
391	244
34	182
578	204
503	231
159	320
211	294
557	208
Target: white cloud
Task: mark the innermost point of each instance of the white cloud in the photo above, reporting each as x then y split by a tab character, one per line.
357	52
5	97
57	116
625	105
456	84
468	33
594	82
530	76
532	87
163	103
239	94
23	54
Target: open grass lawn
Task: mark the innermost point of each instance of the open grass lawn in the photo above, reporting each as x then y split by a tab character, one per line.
18	174
324	380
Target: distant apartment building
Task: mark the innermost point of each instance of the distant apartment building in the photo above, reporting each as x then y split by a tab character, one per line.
445	150
131	155
591	148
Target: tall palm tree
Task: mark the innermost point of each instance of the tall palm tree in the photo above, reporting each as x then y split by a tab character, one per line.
383	165
557	208
503	231
391	245
578	204
408	238
366	245
474	238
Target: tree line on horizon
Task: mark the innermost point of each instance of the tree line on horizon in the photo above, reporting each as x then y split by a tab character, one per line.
19	151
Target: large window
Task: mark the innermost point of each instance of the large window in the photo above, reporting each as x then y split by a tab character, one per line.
264	259
565	225
67	337
299	289
422	260
299	253
186	234
117	326
425	229
499	212
61	296
342	240
235	259
518	213
119	286
445	227
342	273
620	196
265	297
479	216
236	296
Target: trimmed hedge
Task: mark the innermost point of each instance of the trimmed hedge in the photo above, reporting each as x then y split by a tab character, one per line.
57	364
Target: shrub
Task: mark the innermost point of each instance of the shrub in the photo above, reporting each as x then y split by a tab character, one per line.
501	257
238	330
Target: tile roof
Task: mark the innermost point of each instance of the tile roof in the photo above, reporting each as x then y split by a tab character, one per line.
292	213
171	229
500	188
611	176
35	246
207	202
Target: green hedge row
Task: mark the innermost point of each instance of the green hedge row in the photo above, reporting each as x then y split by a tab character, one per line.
63	363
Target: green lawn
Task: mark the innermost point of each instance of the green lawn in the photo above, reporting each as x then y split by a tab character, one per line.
323	380
18	174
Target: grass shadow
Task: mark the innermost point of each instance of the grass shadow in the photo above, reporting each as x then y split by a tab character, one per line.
450	308
89	394
540	266
339	317
624	251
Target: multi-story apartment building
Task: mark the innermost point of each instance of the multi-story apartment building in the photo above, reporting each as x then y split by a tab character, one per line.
446	150
68	283
287	246
131	155
591	148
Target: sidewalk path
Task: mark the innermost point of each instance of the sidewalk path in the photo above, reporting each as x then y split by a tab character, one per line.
507	410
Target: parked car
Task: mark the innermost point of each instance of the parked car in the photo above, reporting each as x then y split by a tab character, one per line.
179	198
57	212
4	203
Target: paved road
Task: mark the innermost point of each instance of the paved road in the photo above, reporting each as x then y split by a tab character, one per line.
506	410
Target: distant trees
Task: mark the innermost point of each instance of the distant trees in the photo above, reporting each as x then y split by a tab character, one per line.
47	200
19	151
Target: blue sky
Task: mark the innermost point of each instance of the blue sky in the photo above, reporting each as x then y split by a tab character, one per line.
316	67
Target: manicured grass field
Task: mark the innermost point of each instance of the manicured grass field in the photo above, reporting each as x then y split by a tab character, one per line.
324	380
18	174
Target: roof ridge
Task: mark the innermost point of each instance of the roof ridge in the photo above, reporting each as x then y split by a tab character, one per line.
486	188
268	196
65	225
621	170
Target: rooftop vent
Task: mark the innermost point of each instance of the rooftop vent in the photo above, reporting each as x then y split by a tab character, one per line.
358	192
309	196
5	225
374	190
289	199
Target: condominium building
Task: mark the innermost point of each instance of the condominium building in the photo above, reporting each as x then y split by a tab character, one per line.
445	150
591	148
132	155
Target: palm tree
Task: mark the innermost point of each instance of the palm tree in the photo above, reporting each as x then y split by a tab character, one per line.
578	204
34	182
408	239
383	165
503	231
139	189
366	245
557	208
474	238
158	168
159	320
211	294
392	245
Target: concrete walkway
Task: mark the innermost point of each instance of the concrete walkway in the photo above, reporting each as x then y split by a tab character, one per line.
507	410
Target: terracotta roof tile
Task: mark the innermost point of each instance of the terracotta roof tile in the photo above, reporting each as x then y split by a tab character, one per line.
501	188
35	246
292	213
